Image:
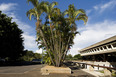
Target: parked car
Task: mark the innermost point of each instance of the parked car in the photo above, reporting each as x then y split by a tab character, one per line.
2	60
37	61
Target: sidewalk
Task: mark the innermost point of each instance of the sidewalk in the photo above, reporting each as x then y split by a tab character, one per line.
94	73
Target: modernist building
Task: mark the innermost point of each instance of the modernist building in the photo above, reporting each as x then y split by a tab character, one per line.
101	51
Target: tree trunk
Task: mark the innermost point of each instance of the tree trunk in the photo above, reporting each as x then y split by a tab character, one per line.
38	26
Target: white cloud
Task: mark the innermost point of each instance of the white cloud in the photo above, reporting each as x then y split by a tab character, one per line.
29	40
93	33
39	51
7	7
102	7
95	7
88	11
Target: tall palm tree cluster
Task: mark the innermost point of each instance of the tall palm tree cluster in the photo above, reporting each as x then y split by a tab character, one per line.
56	34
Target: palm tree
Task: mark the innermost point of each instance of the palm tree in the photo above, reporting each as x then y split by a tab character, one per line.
57	33
74	15
36	12
50	9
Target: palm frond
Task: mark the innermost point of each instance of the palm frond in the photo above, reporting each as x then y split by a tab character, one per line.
44	6
56	10
34	2
53	4
82	17
65	12
79	11
32	12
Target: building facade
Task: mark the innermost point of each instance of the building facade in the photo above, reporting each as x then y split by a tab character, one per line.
101	51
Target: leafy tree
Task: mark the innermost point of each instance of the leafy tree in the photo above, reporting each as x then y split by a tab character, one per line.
37	56
69	57
57	33
77	57
11	41
29	55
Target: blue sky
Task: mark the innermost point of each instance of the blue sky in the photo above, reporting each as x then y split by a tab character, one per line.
101	21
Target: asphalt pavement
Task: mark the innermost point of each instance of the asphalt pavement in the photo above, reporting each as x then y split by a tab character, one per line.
34	71
18	69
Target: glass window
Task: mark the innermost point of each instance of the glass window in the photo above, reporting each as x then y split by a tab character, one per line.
104	47
98	49
101	48
109	46
114	45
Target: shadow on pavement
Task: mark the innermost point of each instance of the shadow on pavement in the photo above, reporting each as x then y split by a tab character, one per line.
72	65
76	72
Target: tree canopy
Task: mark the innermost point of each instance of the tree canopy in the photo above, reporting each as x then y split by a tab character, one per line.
29	55
11	41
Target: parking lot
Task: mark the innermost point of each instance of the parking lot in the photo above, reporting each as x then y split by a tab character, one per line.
34	71
18	69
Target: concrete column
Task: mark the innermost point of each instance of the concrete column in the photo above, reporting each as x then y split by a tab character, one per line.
93	50
103	48
107	47
112	46
97	50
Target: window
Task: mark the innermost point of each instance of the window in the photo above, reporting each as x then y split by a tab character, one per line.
104	47
98	49
114	45
101	48
95	49
109	46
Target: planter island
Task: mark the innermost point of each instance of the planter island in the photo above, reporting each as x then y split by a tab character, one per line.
52	69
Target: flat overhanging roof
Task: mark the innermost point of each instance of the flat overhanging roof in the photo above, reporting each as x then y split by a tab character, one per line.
111	39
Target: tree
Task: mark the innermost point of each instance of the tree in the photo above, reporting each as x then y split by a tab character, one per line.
11	41
77	57
69	57
36	12
57	33
37	56
29	55
38	9
74	15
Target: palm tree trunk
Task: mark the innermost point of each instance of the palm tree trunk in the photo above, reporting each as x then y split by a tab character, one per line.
45	42
66	49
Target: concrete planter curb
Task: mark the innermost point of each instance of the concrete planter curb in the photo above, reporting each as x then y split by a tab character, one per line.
52	69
